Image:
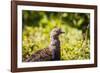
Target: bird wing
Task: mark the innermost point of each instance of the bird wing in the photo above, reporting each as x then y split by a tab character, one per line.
41	55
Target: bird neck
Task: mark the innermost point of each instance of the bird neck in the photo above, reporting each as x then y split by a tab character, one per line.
54	38
55	47
54	41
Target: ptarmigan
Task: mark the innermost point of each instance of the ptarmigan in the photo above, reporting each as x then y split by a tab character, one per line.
52	52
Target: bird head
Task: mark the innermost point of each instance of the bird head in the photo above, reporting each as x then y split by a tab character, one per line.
56	32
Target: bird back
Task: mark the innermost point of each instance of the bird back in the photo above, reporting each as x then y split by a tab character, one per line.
41	55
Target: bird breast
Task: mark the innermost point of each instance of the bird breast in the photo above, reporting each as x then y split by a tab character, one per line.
55	44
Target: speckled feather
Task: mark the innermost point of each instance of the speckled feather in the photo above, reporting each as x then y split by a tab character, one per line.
52	52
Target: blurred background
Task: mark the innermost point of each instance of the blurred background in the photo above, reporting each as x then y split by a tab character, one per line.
37	25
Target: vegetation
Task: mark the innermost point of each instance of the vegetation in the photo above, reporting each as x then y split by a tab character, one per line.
37	25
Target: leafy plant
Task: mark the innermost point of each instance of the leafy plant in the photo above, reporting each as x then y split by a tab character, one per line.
37	26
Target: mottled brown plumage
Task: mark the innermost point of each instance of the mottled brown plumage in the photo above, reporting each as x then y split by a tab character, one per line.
44	54
52	52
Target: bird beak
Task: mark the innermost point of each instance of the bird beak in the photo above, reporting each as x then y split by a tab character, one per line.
62	32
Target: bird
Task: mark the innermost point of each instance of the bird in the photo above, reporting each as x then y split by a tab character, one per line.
50	53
